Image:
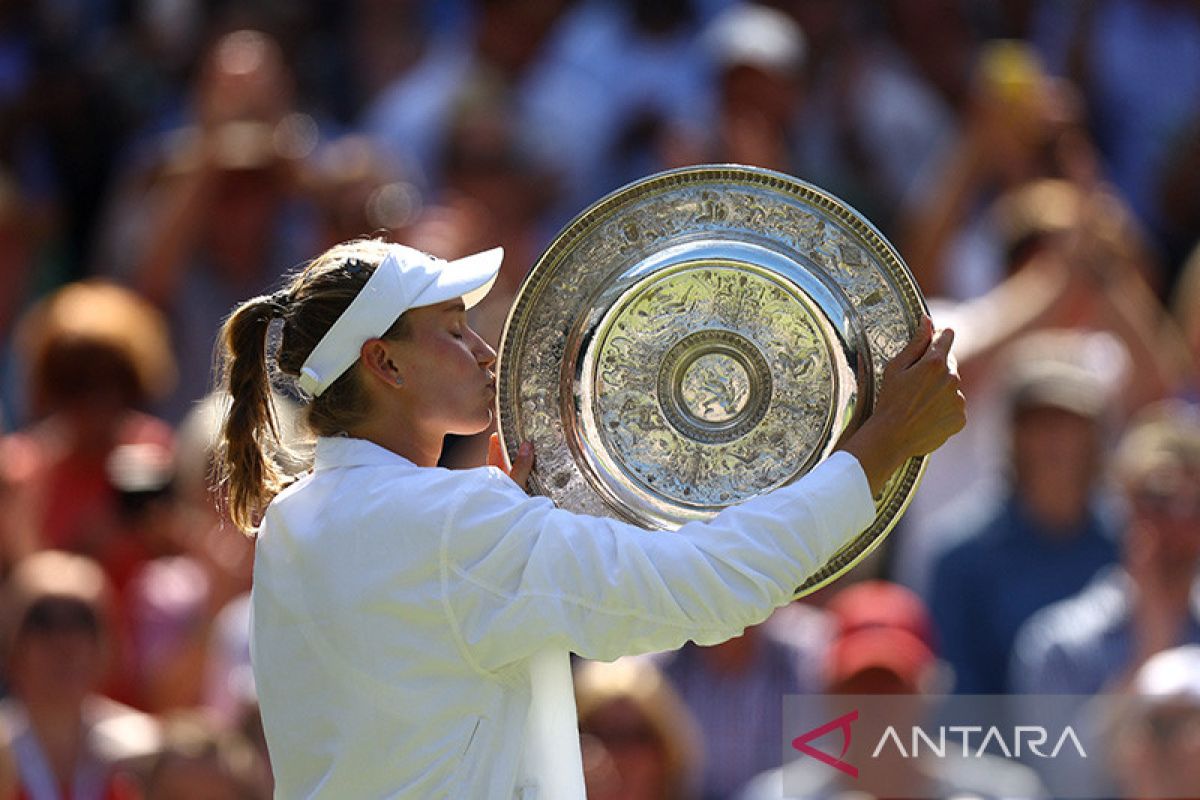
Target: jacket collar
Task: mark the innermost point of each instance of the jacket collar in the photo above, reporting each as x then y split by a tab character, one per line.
344	451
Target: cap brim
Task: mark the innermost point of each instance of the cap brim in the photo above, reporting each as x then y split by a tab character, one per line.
470	278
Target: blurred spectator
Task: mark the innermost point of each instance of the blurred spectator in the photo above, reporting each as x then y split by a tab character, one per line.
66	739
1156	739
176	603
937	38
225	216
735	691
1097	638
759	55
200	762
497	56
596	125
1020	125
95	354
872	608
637	738
1138	66
1049	532
1073	261
230	693
50	80
19	235
9	782
385	39
1094	641
1178	196
882	104
884	646
1185	309
359	192
494	194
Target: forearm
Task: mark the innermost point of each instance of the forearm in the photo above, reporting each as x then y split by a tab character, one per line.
603	588
927	226
1029	300
176	234
1159	357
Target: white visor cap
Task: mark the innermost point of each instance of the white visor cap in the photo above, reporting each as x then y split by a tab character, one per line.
406	278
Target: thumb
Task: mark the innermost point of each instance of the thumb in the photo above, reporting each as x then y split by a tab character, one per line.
522	465
916	346
940	348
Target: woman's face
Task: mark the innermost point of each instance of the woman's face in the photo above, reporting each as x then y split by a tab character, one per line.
446	370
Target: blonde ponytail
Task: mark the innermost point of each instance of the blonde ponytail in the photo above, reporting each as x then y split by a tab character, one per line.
248	473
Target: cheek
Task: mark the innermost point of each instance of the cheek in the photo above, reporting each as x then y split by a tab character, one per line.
1183	538
453	354
1054	447
64	658
438	362
438	346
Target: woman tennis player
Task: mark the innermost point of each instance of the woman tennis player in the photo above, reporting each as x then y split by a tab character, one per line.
397	605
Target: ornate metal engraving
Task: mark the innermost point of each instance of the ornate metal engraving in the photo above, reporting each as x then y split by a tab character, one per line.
700	337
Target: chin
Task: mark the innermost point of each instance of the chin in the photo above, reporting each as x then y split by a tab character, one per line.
478	425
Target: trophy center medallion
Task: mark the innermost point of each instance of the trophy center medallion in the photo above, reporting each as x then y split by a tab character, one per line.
715	388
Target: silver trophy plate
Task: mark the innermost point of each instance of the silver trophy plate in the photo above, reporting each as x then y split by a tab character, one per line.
700	337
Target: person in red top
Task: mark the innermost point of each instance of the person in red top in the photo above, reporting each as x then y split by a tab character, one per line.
96	355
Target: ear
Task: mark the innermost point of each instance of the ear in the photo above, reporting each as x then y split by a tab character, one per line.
380	362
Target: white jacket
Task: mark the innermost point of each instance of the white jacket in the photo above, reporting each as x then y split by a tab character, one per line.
395	608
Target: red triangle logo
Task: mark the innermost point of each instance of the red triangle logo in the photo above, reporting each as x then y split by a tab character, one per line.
842	723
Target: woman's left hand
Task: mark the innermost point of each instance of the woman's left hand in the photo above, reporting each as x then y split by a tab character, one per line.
520	468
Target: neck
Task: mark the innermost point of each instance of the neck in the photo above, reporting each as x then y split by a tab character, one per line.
59	730
404	436
1056	511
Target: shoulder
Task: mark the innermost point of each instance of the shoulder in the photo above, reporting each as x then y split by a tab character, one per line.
120	732
373	504
395	487
1071	630
1101	606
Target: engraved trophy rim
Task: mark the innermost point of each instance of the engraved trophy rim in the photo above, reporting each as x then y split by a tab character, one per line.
709	391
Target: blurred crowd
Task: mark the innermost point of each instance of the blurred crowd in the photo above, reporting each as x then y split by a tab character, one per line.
1036	162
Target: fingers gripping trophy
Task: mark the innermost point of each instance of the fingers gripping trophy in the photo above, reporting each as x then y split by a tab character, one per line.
718	386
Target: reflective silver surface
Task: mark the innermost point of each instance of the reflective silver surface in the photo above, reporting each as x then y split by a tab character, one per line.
699	337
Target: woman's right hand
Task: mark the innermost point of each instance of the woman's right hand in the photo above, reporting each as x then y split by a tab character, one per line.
919	407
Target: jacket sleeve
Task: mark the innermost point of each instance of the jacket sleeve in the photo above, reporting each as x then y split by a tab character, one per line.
519	574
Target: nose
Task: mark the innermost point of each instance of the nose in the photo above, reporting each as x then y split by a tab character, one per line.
484	353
